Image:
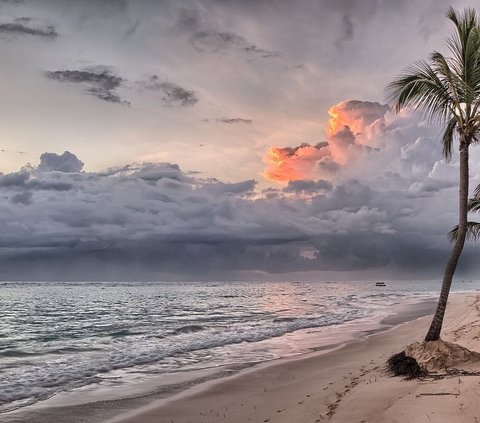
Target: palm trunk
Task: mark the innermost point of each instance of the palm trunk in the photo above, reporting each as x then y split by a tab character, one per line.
436	325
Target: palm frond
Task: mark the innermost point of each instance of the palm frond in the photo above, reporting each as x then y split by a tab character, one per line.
473	231
447	139
420	88
442	88
464	46
474	204
451	77
465	23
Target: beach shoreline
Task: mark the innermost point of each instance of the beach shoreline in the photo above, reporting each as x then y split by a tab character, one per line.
131	408
348	384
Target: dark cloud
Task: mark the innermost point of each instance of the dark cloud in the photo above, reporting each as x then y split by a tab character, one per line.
239	188
48	185
206	39
307	186
348	27
155	218
14	179
212	41
67	162
229	121
131	30
172	94
99	82
188	20
347	30
329	165
24	198
24	180
22	27
390	209
350	195
291	151
156	171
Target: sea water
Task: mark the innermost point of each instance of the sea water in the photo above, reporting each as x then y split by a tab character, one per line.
61	337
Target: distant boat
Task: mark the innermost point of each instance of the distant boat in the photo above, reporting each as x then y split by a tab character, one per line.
380	284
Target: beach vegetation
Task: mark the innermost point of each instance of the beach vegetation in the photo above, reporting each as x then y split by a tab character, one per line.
445	90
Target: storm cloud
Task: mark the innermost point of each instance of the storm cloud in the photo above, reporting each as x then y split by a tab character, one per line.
157	219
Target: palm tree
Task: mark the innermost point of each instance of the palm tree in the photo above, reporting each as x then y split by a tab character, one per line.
446	90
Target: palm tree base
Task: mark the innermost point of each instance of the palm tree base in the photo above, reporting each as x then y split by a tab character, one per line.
420	358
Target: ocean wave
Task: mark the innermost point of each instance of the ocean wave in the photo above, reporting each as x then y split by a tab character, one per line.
16	353
284	319
188	329
124	332
35	382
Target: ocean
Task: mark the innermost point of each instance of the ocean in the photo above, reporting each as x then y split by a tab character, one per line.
105	339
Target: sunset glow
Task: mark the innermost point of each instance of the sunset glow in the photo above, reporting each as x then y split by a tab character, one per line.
292	164
346	133
334	123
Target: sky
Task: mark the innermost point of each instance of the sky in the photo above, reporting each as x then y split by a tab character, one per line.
220	140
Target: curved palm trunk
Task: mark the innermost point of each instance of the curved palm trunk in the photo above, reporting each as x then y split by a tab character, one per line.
436	325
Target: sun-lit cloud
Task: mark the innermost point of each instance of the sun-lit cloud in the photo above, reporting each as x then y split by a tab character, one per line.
347	133
294	163
356	115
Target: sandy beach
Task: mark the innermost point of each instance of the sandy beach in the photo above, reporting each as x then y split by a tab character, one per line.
346	385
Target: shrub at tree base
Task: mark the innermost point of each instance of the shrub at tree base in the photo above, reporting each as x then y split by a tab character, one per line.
401	364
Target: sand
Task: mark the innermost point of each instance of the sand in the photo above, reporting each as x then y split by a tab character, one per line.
346	385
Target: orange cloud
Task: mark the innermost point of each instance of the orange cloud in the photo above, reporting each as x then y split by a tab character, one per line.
347	134
354	114
292	164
